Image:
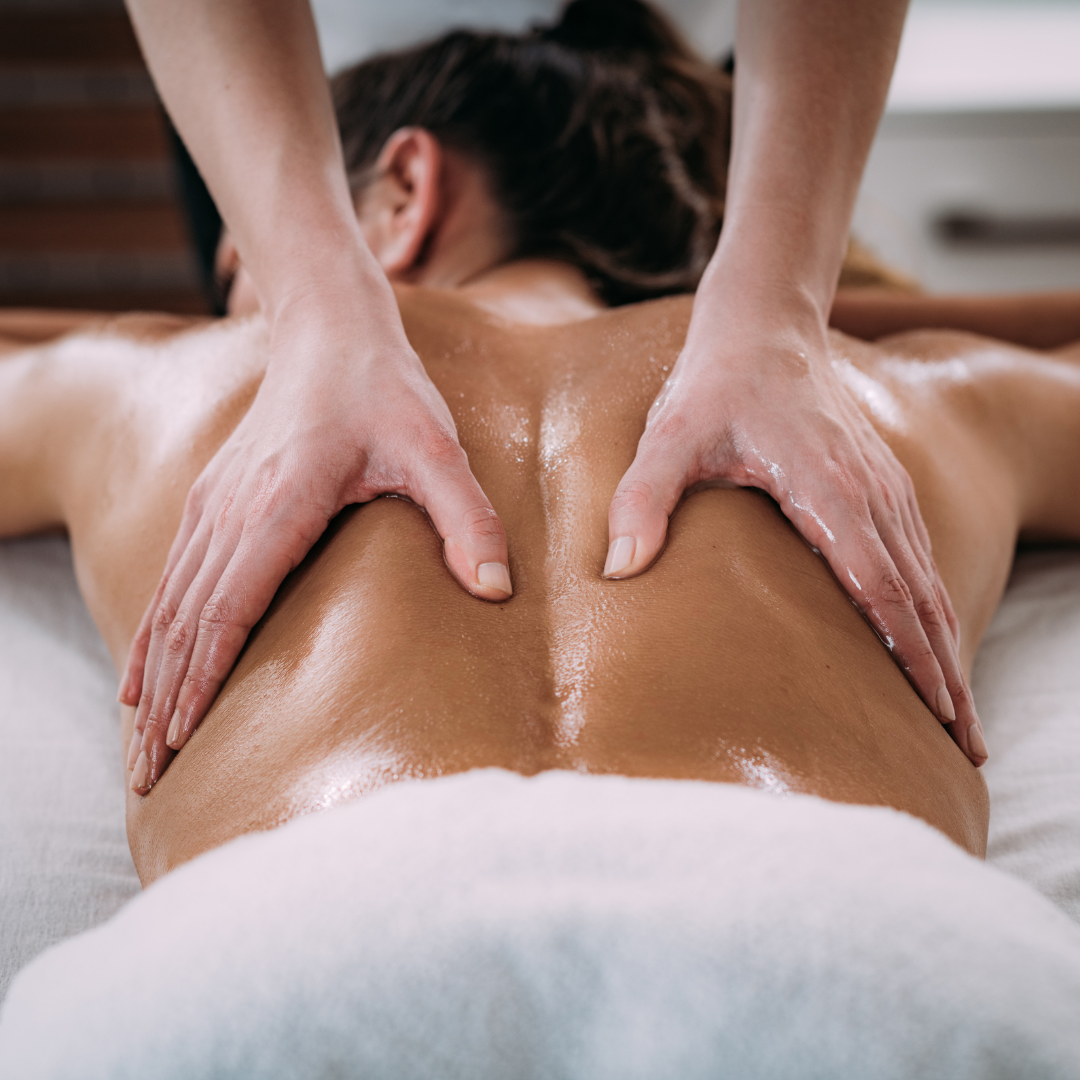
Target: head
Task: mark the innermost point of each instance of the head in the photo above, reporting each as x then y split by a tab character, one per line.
601	142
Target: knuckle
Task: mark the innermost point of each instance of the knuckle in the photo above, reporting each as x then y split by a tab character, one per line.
164	614
220	615
177	636
930	614
634	496
847	487
191	686
156	724
440	447
483	524
894	591
668	424
887	497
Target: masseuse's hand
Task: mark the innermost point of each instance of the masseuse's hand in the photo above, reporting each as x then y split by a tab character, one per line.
332	424
754	400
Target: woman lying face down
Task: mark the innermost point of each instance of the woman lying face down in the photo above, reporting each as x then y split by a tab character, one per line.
736	659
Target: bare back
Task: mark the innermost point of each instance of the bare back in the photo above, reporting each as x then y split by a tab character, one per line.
736	658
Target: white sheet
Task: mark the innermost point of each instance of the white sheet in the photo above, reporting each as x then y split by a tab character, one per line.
1027	689
64	864
64	860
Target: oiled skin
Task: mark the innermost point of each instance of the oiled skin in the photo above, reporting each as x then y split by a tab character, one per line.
736	658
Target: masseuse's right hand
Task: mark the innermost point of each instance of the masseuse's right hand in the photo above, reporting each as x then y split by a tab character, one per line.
339	418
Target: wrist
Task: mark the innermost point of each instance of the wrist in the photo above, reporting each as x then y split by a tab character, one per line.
324	277
770	281
326	329
746	311
778	255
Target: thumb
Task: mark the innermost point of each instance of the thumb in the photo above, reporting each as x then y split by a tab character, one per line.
474	541
641	506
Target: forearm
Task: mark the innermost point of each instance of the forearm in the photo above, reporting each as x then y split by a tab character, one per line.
244	83
1037	321
810	84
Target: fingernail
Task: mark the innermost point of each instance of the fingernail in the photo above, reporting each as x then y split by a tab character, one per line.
133	749
121	693
620	555
976	741
493	575
173	733
141	774
944	705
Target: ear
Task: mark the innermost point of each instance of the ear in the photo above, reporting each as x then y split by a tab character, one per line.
399	210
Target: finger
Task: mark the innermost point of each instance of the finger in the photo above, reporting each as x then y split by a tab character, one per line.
972	742
642	504
176	651
919	542
940	623
133	748
902	604
919	538
474	541
171	592
149	715
927	600
863	565
131	683
239	600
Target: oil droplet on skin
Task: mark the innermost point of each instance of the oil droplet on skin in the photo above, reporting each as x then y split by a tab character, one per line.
564	486
511	426
761	770
854	579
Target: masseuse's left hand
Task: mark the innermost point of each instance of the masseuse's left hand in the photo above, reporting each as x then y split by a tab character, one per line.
754	400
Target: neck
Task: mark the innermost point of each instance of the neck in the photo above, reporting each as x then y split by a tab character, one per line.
533	292
466	252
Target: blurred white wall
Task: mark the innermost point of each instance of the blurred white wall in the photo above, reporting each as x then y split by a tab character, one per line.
981	143
350	30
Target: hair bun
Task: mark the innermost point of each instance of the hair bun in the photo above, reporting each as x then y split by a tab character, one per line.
615	26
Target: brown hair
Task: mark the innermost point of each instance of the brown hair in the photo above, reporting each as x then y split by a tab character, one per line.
606	138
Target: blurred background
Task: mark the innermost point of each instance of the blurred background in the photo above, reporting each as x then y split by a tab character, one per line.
973	183
89	208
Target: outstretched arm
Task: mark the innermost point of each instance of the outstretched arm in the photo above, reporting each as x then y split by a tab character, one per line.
1036	321
346	411
753	397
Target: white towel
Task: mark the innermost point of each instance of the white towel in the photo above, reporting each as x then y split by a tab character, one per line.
491	926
